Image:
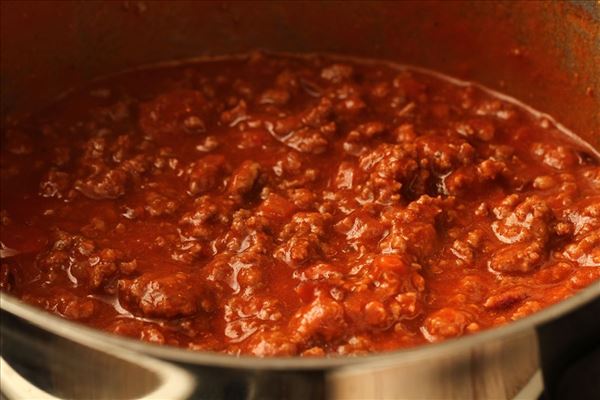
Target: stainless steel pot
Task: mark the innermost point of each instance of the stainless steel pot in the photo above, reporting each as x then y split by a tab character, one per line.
544	53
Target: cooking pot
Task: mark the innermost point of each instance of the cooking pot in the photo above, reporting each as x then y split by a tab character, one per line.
546	54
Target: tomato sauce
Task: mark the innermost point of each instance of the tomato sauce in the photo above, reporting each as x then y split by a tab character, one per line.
276	205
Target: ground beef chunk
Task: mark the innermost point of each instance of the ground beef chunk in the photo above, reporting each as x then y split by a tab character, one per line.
78	309
382	292
560	190
157	204
246	315
109	184
405	133
303	238
204	174
413	228
309	141
445	323
521	221
481	129
445	154
528	308
309	131
136	166
244	178
141	330
356	345
474	177
81	259
580	279
276	97
271	343
55	184
175	113
288	165
585	249
205	218
584	215
467	248
592	176
321	272
347	100
322	319
473	288
345	176
235	115
68	305
360	227
389	168
102	266
506	298
490	169
248	233
176	295
356	140
518	257
555	156
337	72
524	227
390	161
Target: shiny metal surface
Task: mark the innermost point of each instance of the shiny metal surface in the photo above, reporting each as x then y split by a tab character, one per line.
532	55
492	364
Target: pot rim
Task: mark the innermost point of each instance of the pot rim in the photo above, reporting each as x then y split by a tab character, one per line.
110	343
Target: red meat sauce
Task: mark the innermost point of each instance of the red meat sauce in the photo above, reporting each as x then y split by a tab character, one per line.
278	205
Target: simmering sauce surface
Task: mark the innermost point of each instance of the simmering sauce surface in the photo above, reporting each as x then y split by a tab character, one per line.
273	205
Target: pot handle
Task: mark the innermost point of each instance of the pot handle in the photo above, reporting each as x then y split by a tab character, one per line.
40	364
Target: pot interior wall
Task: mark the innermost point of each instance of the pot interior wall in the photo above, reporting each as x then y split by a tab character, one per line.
544	53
